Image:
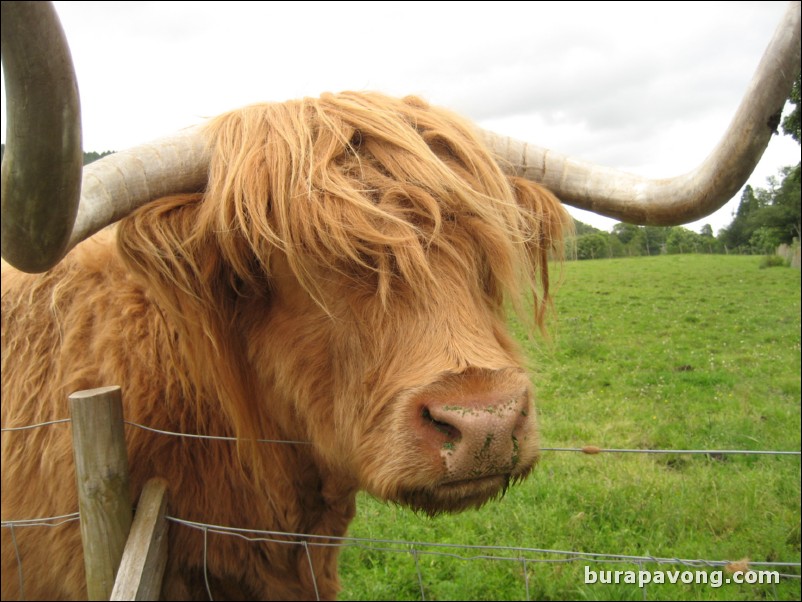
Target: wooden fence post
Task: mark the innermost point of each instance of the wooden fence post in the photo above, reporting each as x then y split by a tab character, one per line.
145	557
101	472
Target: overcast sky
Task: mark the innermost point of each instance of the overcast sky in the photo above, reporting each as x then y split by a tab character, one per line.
647	87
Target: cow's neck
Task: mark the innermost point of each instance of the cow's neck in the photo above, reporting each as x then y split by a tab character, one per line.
287	490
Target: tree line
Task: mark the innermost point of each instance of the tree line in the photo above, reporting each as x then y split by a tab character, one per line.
627	240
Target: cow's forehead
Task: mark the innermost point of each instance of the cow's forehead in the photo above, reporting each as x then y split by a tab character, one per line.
366	182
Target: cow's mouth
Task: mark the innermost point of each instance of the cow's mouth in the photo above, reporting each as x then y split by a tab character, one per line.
455	496
478	483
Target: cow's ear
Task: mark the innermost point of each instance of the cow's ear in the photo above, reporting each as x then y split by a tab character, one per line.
547	225
552	224
162	244
182	268
180	261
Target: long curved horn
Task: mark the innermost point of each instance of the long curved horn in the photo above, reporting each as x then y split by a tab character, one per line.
117	184
684	198
41	174
48	206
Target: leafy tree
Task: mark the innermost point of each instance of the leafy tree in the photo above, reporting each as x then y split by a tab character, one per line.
682	240
92	156
764	240
654	239
737	234
581	228
615	247
749	202
625	232
775	208
592	246
790	199
791	122
708	243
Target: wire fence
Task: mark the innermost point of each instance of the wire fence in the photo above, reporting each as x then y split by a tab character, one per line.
524	556
516	554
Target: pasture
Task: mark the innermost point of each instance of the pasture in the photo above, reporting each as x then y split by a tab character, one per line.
672	352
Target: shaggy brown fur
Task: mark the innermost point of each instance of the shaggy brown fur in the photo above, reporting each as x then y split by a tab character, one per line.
352	256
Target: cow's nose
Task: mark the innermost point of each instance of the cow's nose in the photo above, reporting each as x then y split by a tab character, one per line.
478	437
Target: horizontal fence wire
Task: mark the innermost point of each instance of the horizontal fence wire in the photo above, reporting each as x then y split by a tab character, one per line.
11	429
587	449
213	437
592	449
523	555
49	521
441	549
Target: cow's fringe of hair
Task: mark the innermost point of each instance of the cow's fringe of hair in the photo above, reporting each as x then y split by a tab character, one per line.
356	184
367	180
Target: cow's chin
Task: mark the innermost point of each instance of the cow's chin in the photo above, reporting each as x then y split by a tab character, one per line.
456	496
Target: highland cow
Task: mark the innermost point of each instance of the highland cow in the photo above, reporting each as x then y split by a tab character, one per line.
343	280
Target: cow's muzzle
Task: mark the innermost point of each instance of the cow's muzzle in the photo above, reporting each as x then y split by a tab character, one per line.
479	435
477	431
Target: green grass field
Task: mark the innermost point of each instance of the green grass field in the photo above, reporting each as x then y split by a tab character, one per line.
670	352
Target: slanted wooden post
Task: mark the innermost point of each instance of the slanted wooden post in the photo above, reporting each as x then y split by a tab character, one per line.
101	473
145	556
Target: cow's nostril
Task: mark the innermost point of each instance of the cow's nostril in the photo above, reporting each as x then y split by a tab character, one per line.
451	432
